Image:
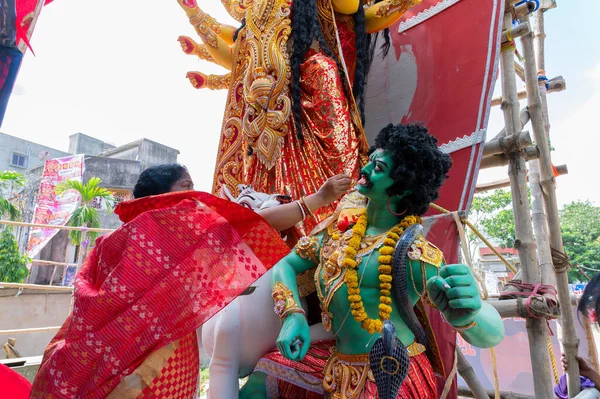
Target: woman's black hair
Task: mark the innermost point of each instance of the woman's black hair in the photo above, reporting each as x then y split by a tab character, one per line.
419	166
158	180
589	303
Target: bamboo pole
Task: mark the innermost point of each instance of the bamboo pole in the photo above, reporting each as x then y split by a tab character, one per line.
29	330
554	85
496	184
465	392
50	226
536	328
520	73
592	348
503	159
468	374
495	147
523	115
51	263
515	308
36	287
559	259
515	32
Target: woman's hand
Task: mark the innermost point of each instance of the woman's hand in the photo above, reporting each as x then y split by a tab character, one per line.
584	368
333	189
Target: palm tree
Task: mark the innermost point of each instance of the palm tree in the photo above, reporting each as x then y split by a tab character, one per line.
86	215
9	180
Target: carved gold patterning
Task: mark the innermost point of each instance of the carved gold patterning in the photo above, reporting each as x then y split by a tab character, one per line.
267	77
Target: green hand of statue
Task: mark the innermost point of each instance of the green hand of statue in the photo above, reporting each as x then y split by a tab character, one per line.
455	294
294	339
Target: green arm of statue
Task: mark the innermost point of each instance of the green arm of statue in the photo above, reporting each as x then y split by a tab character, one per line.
455	293
294	339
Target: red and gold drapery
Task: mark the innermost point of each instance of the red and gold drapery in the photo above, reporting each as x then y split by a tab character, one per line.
177	261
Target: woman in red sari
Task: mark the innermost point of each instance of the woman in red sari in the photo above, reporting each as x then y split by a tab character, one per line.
180	257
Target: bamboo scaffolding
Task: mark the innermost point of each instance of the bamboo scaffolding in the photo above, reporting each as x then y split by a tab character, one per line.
495	147
554	85
29	330
503	159
466	371
521	74
536	328
515	32
36	287
50	226
537	104
523	115
509	308
51	263
464	392
496	184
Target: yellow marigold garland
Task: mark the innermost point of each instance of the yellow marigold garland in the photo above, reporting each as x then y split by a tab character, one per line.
385	272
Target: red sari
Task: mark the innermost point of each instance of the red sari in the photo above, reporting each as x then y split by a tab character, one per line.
145	288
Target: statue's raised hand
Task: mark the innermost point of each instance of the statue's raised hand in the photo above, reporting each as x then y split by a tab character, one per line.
294	339
455	294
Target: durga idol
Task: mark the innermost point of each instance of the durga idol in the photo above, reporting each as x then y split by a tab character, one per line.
295	109
373	267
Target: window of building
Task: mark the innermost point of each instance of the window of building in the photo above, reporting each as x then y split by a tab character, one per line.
19	160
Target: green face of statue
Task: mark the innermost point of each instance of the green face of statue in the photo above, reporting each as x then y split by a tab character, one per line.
375	176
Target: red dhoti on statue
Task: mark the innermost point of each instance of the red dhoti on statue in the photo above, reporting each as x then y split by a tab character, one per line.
145	289
325	372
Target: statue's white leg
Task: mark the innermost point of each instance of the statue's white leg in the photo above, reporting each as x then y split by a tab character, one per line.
225	354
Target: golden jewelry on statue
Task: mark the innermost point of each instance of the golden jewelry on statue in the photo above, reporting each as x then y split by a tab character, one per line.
391	6
464	328
385	272
345	376
285	304
307	248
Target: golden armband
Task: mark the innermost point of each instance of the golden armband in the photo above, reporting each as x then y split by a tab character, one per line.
389	7
285	304
206	27
307	248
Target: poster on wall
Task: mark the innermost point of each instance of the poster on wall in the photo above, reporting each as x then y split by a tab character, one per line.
52	209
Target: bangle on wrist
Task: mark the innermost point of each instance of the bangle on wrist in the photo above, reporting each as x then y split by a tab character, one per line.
285	304
301	210
464	328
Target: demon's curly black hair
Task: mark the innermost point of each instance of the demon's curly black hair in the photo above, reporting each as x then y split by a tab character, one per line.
419	165
158	179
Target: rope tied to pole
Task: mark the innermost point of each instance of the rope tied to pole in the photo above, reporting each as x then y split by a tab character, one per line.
509	144
560	261
525	293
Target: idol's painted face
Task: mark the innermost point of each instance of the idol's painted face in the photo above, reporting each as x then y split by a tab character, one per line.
375	177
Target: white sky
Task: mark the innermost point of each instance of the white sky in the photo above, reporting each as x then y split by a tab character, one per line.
113	69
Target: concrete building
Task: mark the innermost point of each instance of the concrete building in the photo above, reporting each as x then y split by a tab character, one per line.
489	262
117	167
21	155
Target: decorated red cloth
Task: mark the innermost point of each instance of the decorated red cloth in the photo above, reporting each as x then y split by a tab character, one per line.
287	379
178	260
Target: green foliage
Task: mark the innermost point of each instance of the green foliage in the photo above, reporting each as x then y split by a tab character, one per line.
10	179
85	214
492	214
580	225
13	265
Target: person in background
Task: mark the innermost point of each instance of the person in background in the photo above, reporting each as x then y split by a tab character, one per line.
589	306
179	258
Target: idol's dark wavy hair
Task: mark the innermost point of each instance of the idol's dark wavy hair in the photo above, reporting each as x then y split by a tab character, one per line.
158	179
306	29
589	303
419	166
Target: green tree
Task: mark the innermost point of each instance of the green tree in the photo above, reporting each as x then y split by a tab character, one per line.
580	225
492	214
85	214
9	180
13	265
